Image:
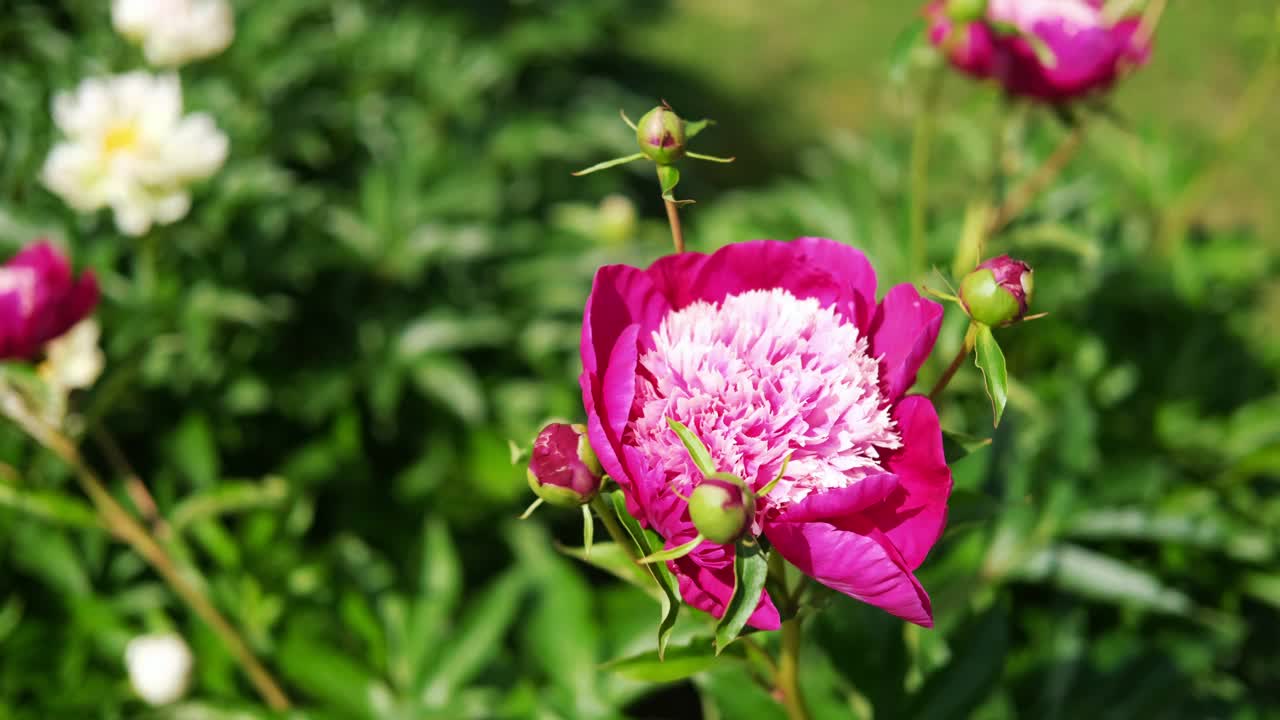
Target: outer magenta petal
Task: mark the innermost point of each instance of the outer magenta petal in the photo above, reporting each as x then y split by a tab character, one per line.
861	565
764	265
853	273
914	516
620	296
709	590
842	502
902	336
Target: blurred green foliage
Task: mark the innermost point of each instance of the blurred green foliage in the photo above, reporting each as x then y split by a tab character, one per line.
319	370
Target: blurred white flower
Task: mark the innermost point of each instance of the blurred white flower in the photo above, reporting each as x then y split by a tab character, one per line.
128	147
174	32
74	361
159	667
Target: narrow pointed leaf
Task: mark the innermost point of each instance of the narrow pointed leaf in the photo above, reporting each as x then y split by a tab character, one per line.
710	158
701	456
680	662
750	570
674	553
670	599
529	510
990	360
958	446
615	560
693	128
608	164
588	529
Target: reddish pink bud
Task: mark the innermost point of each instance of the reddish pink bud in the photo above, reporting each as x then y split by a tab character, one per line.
998	292
563	470
40	300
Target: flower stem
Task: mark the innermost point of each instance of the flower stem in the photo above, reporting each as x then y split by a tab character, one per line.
1026	192
119	522
965	348
789	671
620	536
673	217
921	144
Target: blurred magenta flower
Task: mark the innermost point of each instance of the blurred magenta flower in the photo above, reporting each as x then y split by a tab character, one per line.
765	349
1052	50
40	300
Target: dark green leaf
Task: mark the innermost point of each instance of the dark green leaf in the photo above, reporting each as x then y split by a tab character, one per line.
957	446
670	598
677	664
750	570
990	360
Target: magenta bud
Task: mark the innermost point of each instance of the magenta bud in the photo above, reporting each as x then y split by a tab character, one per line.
40	300
564	470
661	135
722	508
997	292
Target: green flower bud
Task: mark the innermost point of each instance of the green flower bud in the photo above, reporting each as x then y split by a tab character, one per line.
563	469
997	292
966	11
661	135
722	508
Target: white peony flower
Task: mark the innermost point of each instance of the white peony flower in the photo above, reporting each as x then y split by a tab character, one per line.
159	667
128	147
174	32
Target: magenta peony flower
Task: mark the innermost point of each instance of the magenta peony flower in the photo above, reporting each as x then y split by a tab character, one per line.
762	349
1061	49
40	300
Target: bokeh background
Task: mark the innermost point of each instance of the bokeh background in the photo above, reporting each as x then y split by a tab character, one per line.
319	371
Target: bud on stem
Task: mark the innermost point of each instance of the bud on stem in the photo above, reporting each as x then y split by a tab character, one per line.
722	507
998	292
563	470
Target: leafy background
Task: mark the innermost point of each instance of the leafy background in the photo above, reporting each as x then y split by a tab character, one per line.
319	370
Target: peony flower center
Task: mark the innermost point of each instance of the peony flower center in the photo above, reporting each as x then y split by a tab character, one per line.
757	376
120	137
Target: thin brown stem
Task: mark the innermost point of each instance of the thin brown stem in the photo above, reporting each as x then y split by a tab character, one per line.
125	527
1022	196
673	217
134	485
965	348
789	671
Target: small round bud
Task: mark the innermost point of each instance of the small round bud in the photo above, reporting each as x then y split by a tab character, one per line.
966	11
564	470
661	135
722	508
997	292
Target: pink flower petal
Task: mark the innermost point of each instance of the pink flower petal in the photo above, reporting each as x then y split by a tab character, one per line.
902	335
709	590
913	517
861	565
842	502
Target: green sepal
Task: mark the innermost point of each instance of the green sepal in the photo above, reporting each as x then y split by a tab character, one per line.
588	529
608	164
957	446
765	490
697	451
668	177
674	553
750	571
695	127
995	376
680	663
710	158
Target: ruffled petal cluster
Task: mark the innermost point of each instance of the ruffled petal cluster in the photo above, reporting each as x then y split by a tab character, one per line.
769	350
1060	50
128	147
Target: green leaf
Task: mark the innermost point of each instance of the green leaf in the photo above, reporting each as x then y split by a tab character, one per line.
338	680
697	451
50	505
679	663
692	128
977	659
670	599
990	360
969	508
668	177
615	560
229	497
478	638
958	446
1102	577
609	163
750	570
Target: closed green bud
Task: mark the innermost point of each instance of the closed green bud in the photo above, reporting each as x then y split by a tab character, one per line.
722	508
661	135
998	292
966	11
